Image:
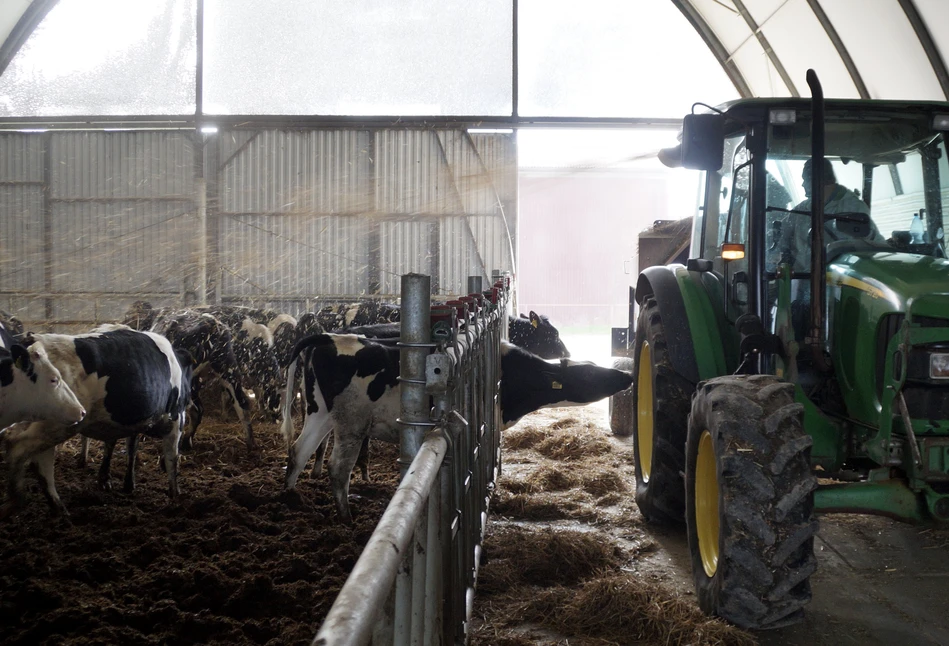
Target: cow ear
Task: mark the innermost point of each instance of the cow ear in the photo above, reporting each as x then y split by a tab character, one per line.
21	357
535	320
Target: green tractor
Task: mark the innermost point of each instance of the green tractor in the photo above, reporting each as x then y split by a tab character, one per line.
773	383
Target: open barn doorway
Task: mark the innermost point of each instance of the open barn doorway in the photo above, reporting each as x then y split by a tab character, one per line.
584	197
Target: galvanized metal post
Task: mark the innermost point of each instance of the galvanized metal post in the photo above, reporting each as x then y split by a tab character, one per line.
201	253
474	284
415	347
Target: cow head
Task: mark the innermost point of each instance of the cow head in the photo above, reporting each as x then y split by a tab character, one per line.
536	334
42	393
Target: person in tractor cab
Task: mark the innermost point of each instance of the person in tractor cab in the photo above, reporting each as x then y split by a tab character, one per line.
794	243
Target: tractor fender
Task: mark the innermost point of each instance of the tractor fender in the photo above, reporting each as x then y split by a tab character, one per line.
660	282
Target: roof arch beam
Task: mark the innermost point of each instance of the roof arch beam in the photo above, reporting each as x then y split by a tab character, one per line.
715	45
24	27
766	47
841	50
929	46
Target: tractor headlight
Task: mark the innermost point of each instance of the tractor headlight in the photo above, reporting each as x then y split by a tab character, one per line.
939	365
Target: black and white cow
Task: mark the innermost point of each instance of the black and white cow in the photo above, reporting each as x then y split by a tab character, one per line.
534	333
130	383
11	328
340	316
209	342
32	388
6	338
351	387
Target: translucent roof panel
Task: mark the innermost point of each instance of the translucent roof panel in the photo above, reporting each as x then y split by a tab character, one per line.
890	59
785	30
874	49
105	57
612	58
373	57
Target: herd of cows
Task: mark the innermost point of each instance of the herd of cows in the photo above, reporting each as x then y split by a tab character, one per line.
145	376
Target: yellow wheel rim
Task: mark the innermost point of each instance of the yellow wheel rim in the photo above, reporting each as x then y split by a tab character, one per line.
644	409
706	504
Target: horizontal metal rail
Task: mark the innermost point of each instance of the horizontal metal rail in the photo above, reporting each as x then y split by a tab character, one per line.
415	581
350	620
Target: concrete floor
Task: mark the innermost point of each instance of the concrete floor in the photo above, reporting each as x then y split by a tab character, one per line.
879	582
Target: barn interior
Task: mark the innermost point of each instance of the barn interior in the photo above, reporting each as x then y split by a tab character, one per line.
295	155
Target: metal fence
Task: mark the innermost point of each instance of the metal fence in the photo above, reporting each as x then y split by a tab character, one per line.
414	582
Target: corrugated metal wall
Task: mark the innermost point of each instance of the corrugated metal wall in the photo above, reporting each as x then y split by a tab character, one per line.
91	221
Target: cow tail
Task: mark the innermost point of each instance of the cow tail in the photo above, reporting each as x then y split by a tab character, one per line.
310	341
287	426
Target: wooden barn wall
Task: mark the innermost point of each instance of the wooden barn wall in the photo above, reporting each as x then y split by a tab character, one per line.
92	221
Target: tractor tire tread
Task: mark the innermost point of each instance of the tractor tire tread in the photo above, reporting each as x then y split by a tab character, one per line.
662	498
766	503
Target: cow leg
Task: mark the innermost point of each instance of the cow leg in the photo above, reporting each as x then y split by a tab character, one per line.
197	414
105	477
169	445
363	460
318	459
83	457
342	461
315	429
45	461
22	444
131	444
242	413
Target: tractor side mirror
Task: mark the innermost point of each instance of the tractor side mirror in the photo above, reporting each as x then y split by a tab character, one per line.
703	141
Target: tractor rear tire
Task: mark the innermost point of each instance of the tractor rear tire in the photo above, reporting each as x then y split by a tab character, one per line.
621	404
750	501
660	422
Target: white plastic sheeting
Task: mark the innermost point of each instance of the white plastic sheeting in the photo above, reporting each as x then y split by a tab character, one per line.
600	58
876	49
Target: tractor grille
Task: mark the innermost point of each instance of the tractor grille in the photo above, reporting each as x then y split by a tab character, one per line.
926	398
889	325
927	402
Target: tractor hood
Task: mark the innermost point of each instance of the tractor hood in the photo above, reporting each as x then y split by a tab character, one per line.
904	280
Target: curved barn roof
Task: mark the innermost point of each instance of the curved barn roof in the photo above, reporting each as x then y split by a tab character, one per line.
878	49
872	49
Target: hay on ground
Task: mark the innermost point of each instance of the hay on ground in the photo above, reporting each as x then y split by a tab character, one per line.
602	482
539	507
516	556
524	439
551	478
620	609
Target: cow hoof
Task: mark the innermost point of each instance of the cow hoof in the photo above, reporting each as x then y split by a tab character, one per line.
105	485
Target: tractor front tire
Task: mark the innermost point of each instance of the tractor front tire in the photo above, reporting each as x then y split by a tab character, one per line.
750	501
621	404
660	421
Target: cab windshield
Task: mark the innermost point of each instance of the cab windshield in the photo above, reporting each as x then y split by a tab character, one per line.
891	166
